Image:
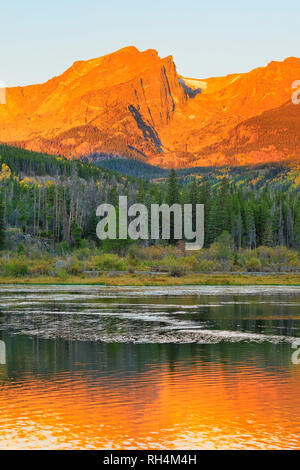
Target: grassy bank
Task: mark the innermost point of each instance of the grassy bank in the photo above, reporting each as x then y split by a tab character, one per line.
162	280
220	264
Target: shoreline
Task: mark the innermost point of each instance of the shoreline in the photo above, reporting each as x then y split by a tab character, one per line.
227	279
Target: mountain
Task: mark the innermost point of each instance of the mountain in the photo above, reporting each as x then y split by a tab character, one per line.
272	136
196	137
134	104
113	104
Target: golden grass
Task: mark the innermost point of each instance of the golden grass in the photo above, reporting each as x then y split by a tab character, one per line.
162	280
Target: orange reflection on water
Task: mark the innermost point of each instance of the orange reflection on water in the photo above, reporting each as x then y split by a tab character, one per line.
203	406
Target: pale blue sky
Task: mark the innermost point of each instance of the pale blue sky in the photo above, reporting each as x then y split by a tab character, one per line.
40	39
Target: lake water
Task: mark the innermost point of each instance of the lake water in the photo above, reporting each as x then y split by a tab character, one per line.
91	367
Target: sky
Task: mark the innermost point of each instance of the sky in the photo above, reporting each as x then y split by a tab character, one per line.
40	39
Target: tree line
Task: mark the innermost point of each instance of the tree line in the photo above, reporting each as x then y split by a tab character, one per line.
54	198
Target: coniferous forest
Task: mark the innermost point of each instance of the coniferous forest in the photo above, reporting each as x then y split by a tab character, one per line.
48	204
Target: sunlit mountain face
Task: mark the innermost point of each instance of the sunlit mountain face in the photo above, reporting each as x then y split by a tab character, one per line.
134	104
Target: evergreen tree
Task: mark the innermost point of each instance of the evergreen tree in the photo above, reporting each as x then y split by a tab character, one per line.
205	198
280	225
193	200
297	226
2	225
76	234
213	225
251	228
268	239
173	197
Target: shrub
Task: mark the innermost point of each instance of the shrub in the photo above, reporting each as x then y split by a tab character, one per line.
16	267
82	254
149	253
74	267
253	264
108	262
171	250
223	251
38	267
175	268
21	249
62	274
208	265
191	262
63	248
84	244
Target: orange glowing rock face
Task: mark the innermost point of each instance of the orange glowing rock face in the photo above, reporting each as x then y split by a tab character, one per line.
134	104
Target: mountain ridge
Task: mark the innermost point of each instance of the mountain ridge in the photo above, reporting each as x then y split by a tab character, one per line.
136	105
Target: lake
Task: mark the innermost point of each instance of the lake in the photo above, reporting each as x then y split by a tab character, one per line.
92	367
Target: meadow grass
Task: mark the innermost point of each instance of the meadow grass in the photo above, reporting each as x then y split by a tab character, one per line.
162	280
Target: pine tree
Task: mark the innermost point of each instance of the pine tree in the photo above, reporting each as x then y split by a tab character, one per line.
268	239
280	225
206	199
76	234
237	228
251	228
173	197
193	200
297	226
2	225
213	229
290	227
